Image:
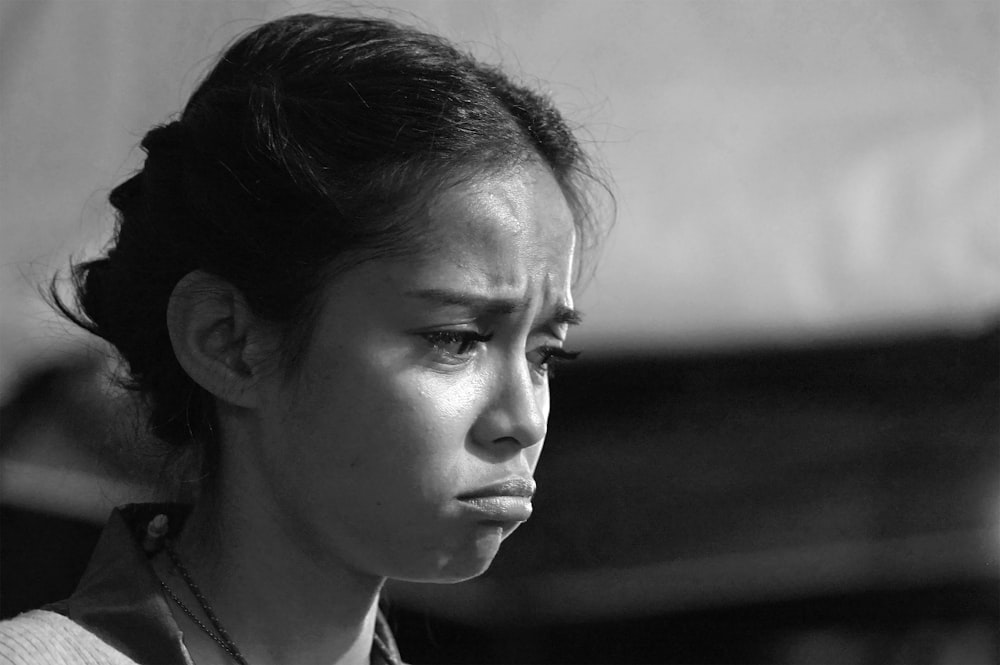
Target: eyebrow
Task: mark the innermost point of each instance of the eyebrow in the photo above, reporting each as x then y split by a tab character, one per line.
491	306
568	316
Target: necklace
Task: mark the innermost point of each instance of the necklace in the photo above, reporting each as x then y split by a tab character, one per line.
156	539
219	635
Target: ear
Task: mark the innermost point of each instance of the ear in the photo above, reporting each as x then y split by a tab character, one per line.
216	337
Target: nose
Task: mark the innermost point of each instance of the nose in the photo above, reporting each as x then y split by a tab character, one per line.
518	410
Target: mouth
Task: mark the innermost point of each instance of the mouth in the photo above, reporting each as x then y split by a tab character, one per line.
511	487
502	502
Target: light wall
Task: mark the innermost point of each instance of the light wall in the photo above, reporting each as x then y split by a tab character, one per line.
785	171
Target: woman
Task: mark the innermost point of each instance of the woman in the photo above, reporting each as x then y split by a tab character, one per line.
339	281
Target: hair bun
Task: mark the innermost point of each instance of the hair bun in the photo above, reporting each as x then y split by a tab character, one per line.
168	138
99	297
160	183
126	195
160	141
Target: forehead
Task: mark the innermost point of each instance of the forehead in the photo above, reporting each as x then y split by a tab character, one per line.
508	227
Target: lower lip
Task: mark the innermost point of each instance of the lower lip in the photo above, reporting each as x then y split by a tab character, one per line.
501	508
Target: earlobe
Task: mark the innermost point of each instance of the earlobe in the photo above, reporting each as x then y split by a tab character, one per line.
209	323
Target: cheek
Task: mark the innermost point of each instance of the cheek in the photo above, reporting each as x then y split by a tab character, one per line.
424	429
533	454
381	417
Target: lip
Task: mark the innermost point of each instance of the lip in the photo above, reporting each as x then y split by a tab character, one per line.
504	501
519	487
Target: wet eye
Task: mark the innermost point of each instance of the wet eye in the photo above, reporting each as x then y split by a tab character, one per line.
548	356
456	344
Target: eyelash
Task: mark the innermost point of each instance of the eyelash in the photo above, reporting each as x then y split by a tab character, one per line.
467	340
551	355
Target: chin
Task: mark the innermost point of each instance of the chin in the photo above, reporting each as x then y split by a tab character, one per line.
458	564
461	575
452	574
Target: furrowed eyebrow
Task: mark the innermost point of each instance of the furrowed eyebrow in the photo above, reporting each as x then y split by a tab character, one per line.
470	301
568	316
491	306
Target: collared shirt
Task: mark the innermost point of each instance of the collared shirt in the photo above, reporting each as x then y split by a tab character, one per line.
120	599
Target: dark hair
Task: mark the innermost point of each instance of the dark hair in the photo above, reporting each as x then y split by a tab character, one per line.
311	142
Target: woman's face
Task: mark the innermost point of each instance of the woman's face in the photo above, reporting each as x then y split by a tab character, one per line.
405	444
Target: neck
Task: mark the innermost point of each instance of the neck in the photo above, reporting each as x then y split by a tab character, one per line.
279	602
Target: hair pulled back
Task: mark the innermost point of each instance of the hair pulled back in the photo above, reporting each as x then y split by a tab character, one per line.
313	140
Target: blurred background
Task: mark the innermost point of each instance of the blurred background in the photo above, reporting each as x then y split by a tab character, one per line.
783	441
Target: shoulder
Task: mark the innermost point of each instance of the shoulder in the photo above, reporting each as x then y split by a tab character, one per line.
41	637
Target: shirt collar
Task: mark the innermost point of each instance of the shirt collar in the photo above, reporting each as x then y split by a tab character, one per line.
120	599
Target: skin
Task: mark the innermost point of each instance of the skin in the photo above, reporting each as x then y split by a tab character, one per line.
424	380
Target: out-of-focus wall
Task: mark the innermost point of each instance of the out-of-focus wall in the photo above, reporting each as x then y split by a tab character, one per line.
785	170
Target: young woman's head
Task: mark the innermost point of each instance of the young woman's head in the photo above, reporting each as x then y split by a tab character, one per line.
342	274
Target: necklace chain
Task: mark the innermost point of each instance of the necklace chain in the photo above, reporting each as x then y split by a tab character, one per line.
219	635
156	538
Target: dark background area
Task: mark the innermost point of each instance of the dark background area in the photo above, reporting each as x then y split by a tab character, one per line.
832	503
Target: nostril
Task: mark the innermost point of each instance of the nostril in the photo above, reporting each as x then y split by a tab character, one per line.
507	441
525	440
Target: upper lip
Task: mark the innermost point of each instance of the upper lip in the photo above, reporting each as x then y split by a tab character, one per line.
510	487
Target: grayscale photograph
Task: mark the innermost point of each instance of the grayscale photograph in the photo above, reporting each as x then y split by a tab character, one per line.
500	332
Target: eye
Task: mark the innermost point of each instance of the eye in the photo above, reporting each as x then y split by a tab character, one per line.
548	356
456	345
